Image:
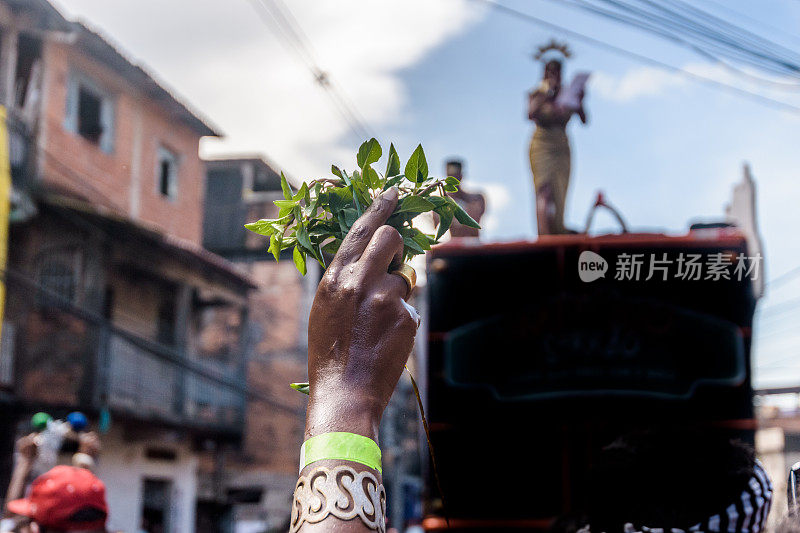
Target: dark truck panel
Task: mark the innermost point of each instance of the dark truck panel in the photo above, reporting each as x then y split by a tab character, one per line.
529	365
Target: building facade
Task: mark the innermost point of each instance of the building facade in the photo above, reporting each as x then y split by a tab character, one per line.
239	190
113	307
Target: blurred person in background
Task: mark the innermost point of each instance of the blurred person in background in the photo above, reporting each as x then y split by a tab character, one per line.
65	498
473	203
674	479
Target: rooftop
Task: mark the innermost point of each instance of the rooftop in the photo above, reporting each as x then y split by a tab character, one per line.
100	48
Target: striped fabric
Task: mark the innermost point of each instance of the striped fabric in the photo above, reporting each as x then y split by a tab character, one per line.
748	514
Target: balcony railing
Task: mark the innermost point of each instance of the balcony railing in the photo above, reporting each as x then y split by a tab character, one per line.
65	357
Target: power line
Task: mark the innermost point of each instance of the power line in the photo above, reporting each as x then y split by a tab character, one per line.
670	30
750	19
728	37
277	15
764	100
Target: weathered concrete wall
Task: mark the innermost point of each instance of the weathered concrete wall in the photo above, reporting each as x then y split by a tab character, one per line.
123	466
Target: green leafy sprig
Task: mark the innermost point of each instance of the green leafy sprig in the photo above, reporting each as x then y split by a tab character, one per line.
315	219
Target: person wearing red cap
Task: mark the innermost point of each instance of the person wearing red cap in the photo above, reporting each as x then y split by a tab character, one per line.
65	498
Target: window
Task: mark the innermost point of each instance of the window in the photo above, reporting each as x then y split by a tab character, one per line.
89	125
28	74
266	181
58	272
90	112
167	173
165	325
156	505
260	182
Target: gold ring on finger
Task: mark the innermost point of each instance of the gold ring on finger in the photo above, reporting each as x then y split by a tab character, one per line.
408	273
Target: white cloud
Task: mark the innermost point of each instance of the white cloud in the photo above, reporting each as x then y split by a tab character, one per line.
231	65
634	84
646	81
498	197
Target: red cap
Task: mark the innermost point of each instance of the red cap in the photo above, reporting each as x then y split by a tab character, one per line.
65	498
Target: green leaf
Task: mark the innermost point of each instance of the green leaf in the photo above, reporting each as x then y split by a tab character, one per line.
414	204
417	166
323	227
360	190
411	243
314	207
262	227
391	182
302	237
338	198
275	245
287	189
332	247
336	171
299	260
343	227
288	242
350	216
305	388
421	239
450	180
346	178
304	241
392	164
369	153
399	220
437	201
371	178
463	217
450	188
445	219
286	204
302	193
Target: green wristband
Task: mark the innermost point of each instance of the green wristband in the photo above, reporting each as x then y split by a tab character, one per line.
342	446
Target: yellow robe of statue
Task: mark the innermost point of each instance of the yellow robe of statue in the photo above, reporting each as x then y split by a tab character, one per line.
550	162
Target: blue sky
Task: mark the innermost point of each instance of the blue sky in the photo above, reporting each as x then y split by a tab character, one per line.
454	75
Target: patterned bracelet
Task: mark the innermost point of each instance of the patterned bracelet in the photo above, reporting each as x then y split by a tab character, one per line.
342	492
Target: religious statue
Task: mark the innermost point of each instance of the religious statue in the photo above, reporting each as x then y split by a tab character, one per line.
550	107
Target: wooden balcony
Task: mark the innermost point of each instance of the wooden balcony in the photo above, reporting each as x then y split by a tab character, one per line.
65	358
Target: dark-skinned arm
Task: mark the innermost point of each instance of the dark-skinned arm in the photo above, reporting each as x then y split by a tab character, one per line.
27	450
359	338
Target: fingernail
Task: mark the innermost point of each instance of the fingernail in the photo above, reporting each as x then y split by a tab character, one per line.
391	193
